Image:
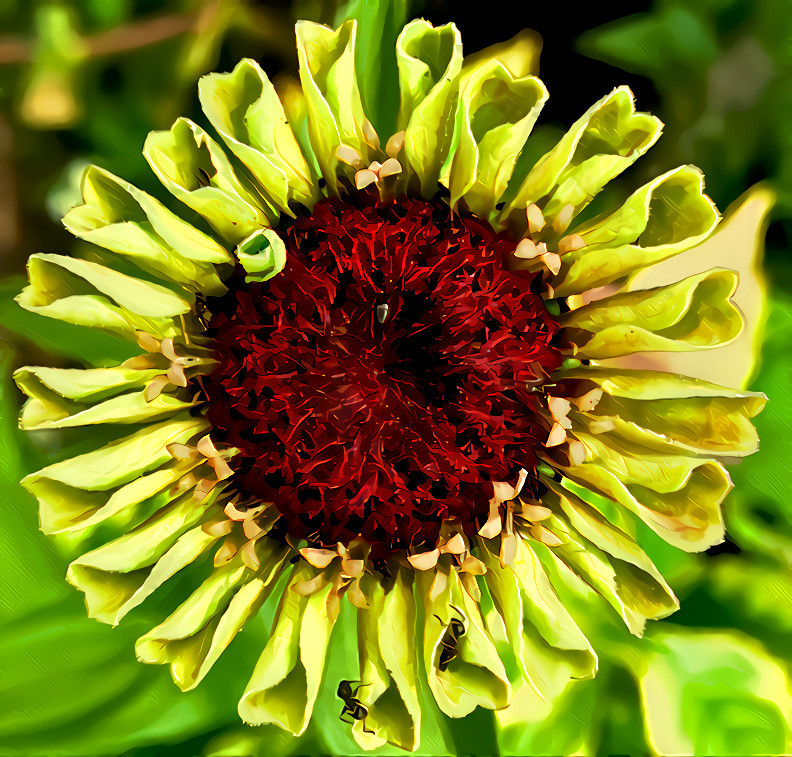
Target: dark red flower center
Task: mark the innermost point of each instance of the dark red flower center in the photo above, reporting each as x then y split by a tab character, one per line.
382	380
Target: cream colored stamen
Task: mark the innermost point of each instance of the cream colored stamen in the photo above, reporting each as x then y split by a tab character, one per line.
390	167
559	409
548	538
536	220
364	177
370	134
589	400
552	261
350	156
526	249
394	144
557	436
571	243
376	171
577	452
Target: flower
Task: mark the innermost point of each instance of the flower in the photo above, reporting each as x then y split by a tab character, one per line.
377	374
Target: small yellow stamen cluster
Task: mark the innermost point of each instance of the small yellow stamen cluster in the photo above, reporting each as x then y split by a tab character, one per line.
256	523
203	453
376	171
345	576
452	542
527	249
530	518
175	374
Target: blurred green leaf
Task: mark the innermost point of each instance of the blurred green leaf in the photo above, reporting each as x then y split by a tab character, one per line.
722	70
70	685
757	511
714	693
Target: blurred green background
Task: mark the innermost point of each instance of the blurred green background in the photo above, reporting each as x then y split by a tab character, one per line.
85	81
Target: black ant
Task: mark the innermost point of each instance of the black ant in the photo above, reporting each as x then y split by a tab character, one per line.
453	633
352	705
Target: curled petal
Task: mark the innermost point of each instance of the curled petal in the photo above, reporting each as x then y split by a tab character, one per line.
661	219
550	645
429	60
476	677
247	113
389	667
89	294
677	497
332	96
695	313
114	578
608	138
287	676
192	639
494	115
196	170
127	221
97	485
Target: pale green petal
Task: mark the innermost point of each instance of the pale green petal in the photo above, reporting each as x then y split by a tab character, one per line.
607	139
71	491
329	82
89	294
62	275
126	408
429	60
389	666
610	562
701	426
196	170
658	385
695	313
663	218
552	647
122	506
120	575
287	676
295	106
262	255
672	413
119	217
520	54
93	384
678	497
50	389
738	244
192	639
244	108
476	678
494	116
547	667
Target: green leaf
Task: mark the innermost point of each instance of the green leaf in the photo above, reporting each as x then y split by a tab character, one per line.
375	61
714	693
70	685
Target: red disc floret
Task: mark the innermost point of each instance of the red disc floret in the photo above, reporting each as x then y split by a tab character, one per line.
382	380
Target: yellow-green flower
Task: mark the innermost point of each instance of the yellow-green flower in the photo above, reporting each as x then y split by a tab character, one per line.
374	372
